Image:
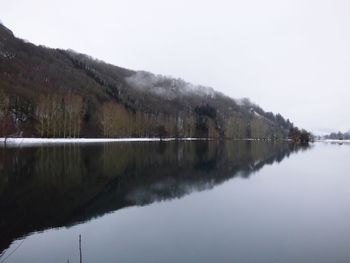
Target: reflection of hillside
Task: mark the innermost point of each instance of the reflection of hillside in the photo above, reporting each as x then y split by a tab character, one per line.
48	187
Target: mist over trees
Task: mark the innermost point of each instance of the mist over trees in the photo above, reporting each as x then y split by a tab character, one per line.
57	93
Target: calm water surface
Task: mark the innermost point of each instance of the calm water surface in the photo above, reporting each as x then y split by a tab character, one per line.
175	202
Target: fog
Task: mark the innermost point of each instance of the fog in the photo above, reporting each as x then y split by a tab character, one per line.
289	56
167	87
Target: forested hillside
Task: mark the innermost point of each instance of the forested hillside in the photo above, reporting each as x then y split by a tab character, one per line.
48	92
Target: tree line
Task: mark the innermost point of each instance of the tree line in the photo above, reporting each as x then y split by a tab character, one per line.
338	136
6	117
59	115
299	136
66	115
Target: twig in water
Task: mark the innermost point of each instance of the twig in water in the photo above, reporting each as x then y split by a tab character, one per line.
81	257
12	252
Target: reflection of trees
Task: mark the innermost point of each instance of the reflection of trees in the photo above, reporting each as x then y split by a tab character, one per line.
59	166
58	186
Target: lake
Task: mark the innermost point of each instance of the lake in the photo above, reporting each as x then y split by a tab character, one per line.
179	201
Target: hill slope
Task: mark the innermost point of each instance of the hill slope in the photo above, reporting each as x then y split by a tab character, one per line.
58	93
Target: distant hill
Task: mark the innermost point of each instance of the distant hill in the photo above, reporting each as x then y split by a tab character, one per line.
49	92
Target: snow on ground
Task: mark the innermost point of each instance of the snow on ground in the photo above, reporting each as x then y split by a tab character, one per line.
334	141
22	142
39	141
257	114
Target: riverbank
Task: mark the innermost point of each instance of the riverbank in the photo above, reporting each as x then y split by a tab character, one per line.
38	141
16	142
334	141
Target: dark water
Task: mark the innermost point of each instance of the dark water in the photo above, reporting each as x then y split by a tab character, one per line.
175	202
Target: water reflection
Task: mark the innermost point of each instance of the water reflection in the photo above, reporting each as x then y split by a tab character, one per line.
52	186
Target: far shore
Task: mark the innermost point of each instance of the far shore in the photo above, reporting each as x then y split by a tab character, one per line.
334	141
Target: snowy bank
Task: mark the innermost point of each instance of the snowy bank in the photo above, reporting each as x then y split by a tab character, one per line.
39	141
334	141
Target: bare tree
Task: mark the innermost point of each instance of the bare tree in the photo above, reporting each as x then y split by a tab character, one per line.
5	116
59	115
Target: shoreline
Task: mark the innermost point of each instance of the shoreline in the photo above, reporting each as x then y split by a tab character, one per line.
38	141
333	141
41	141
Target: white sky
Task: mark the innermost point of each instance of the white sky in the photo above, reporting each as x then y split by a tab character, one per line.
288	56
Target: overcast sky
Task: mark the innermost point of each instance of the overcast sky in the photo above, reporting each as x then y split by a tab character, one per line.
288	56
